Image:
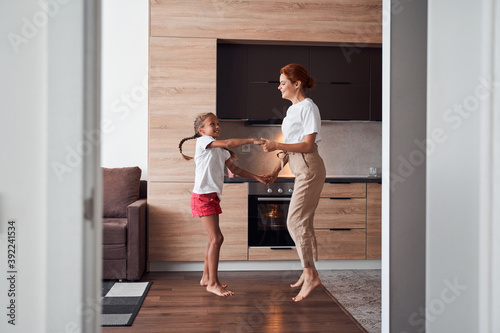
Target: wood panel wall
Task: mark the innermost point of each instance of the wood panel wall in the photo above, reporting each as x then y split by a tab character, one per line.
337	21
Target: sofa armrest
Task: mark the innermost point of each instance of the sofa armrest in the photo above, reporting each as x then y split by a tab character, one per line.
136	239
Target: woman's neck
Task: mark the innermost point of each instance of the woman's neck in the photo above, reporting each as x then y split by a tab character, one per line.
298	98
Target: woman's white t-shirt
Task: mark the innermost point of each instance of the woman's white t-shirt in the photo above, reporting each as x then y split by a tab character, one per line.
301	119
210	163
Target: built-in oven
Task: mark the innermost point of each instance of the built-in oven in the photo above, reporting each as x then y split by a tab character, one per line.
267	214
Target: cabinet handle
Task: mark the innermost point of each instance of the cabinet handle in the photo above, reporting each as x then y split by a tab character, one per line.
340	82
333	182
281	248
340	198
341	229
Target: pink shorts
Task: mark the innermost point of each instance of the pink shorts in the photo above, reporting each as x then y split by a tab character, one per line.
205	204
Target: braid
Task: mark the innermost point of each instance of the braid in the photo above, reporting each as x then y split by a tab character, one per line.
196	135
198	122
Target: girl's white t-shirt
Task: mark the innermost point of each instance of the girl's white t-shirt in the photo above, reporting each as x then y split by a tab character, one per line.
210	163
301	119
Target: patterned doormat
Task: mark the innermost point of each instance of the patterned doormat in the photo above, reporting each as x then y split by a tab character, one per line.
122	301
359	292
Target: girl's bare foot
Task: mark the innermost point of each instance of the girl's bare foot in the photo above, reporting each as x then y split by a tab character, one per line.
307	287
299	282
219	290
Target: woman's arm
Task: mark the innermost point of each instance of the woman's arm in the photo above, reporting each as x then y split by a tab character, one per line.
231	143
302	147
243	173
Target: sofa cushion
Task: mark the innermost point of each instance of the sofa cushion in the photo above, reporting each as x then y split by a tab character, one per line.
120	189
114	251
114	231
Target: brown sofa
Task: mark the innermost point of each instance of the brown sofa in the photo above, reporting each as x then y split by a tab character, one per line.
124	223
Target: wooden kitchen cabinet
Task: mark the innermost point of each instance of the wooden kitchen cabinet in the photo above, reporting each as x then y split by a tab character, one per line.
373	221
175	235
341	243
340	221
340	213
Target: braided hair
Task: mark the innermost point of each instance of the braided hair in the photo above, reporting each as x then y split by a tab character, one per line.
198	122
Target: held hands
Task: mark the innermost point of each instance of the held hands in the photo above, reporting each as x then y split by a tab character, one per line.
268	145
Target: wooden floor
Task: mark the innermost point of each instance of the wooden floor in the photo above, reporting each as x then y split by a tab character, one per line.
262	303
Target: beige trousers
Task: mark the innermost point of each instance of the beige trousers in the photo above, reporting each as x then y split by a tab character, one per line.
310	173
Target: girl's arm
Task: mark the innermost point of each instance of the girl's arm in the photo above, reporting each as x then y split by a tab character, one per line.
243	173
302	147
231	143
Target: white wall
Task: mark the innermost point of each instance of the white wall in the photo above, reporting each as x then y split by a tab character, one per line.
459	169
124	115
22	162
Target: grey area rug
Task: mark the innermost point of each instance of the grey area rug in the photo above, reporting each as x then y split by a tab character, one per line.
359	292
122	301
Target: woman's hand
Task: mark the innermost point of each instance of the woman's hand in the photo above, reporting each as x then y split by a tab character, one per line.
268	146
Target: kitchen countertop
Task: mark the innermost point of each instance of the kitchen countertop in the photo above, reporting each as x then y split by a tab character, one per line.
329	179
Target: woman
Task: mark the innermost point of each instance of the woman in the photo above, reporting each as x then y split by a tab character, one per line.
301	130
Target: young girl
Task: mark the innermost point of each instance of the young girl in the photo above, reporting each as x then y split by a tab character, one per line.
211	157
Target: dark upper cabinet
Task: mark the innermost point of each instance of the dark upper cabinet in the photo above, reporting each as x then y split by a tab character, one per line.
232	78
265	102
342	101
266	61
376	84
348	81
340	64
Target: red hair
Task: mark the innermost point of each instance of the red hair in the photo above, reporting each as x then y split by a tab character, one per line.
296	72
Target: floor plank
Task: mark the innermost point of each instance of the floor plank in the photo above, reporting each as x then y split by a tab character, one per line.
262	303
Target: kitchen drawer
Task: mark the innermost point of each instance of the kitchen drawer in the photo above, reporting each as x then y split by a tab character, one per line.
347	190
340	213
265	253
341	244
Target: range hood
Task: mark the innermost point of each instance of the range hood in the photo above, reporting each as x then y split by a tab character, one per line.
263	122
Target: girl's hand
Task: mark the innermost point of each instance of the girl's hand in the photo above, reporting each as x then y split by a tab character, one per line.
268	146
262	179
258	142
270	178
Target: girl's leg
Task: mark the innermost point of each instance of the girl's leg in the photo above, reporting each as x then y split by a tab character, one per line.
205	277
215	239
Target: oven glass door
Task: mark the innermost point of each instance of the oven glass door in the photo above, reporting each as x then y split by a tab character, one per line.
267	221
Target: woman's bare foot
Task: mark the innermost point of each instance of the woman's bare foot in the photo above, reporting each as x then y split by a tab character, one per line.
299	282
204	282
307	287
219	290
